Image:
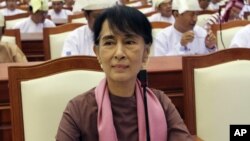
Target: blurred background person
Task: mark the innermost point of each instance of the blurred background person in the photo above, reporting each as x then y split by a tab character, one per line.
204	4
38	18
231	12
184	37
24	4
11	8
214	4
2	3
164	7
78	4
69	4
9	52
57	11
246	8
79	41
241	38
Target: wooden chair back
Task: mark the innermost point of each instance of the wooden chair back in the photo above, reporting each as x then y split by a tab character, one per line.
10	21
216	92
40	93
53	38
226	31
12	36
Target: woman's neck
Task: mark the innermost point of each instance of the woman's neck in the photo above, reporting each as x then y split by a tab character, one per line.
122	89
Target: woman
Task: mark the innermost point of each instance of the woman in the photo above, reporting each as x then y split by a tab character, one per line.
114	110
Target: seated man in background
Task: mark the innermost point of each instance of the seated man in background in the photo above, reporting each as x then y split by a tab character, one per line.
204	4
214	4
9	52
37	20
25	2
241	38
78	4
69	4
231	12
79	41
184	37
2	3
11	8
58	12
246	8
164	7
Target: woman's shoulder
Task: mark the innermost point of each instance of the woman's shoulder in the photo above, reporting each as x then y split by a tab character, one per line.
83	105
86	98
156	91
162	97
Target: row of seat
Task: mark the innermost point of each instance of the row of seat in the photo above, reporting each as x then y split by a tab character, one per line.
216	93
53	37
10	21
39	98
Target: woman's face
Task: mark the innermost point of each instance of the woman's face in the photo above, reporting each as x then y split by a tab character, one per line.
121	55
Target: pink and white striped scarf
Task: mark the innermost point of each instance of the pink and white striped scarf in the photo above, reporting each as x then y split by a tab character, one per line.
157	120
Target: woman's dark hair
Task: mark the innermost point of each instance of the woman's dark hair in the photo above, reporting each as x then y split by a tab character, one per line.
123	19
